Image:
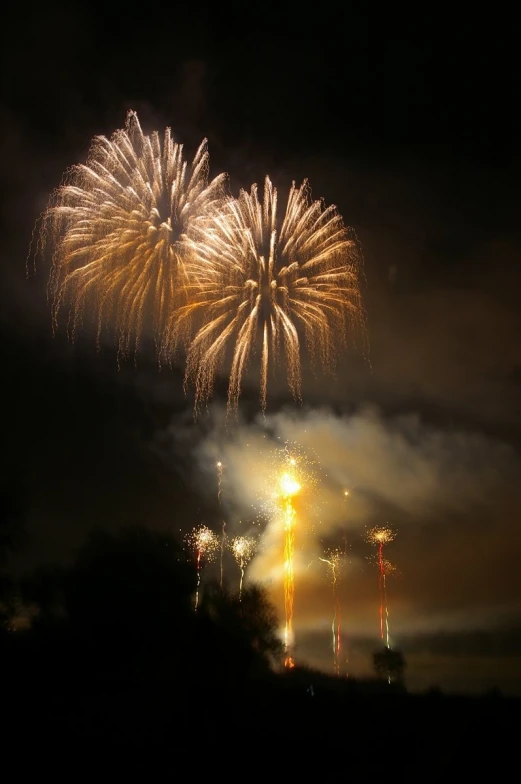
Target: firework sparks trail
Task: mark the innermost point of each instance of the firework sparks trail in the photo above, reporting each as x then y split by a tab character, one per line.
380	537
120	230
289	488
260	283
219	467
334	561
290	471
243	550
204	543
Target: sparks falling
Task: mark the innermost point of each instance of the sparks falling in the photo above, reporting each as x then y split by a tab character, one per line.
120	229
243	550
379	537
269	284
289	487
334	562
204	544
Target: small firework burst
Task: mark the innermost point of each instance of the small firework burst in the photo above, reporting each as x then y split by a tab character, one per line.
243	549
380	535
203	542
205	545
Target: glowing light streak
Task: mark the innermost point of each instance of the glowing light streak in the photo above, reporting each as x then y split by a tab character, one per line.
289	488
219	467
380	537
334	561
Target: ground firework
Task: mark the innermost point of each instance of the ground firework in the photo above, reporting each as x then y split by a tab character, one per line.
204	545
379	537
289	487
243	549
334	561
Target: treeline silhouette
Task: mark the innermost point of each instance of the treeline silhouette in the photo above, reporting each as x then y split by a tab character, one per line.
117	664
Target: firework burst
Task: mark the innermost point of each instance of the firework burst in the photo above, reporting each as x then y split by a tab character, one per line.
261	283
120	229
285	473
243	549
379	537
204	544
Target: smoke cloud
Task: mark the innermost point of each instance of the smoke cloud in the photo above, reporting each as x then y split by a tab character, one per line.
444	492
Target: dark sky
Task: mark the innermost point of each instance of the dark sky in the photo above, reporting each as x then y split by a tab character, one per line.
410	125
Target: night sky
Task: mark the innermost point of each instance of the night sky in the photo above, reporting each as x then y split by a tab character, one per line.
410	126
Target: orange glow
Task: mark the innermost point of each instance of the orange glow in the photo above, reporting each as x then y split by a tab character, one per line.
289	487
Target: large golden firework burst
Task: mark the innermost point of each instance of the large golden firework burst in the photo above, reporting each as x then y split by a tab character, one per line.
259	282
120	228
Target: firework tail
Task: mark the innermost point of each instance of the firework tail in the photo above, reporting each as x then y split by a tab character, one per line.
384	610
243	549
223	534
333	563
289	576
198	569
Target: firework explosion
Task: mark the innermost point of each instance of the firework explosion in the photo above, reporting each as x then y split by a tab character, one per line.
141	238
262	282
138	234
379	537
120	227
243	550
204	544
290	459
334	561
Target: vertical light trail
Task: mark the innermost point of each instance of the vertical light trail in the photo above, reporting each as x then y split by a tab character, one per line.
346	496
379	537
290	488
383	601
334	562
241	582
198	568
219	467
289	576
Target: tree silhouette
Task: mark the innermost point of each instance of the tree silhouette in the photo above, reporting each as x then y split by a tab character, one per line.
124	610
390	664
243	630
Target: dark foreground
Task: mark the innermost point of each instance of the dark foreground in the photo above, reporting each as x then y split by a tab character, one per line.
118	678
271	728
